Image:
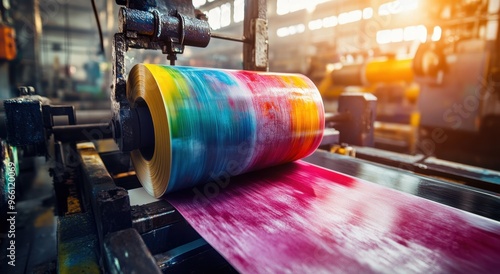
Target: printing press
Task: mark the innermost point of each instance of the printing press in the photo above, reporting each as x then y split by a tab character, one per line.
106	221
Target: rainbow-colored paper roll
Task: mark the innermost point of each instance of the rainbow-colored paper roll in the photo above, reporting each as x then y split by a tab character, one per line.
212	123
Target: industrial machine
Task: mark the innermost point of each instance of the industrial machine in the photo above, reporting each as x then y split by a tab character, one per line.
8	50
102	224
449	85
391	80
458	79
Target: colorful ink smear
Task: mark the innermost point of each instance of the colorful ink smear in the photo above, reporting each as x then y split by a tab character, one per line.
210	123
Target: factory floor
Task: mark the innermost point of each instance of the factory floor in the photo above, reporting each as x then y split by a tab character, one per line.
35	235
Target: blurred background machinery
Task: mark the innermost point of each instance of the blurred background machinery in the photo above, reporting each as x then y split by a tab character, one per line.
411	89
408	53
8	50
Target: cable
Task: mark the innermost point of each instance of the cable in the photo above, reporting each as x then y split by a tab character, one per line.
98	27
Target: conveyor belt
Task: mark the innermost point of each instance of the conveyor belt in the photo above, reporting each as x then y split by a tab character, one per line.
368	205
302	218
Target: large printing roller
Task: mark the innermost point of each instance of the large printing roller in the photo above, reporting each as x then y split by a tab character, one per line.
197	124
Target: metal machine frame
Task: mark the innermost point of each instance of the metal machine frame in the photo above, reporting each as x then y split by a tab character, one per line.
168	26
108	231
121	230
98	228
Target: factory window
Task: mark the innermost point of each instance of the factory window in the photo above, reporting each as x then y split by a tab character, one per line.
282	32
214	18
282	7
343	18
198	3
421	33
238	10
329	22
411	33
397	35
397	6
385	9
367	13
493	6
350	17
290	30
315	24
287	6
225	18
384	36
220	17
436	34
300	28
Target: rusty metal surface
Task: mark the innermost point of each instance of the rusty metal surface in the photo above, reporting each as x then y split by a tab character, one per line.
77	245
79	133
110	204
168	26
198	253
255	50
24	121
125	252
182	6
153	216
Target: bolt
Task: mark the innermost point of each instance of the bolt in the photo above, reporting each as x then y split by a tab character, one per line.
31	90
23	91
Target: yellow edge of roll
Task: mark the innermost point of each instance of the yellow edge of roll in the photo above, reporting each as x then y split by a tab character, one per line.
159	166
